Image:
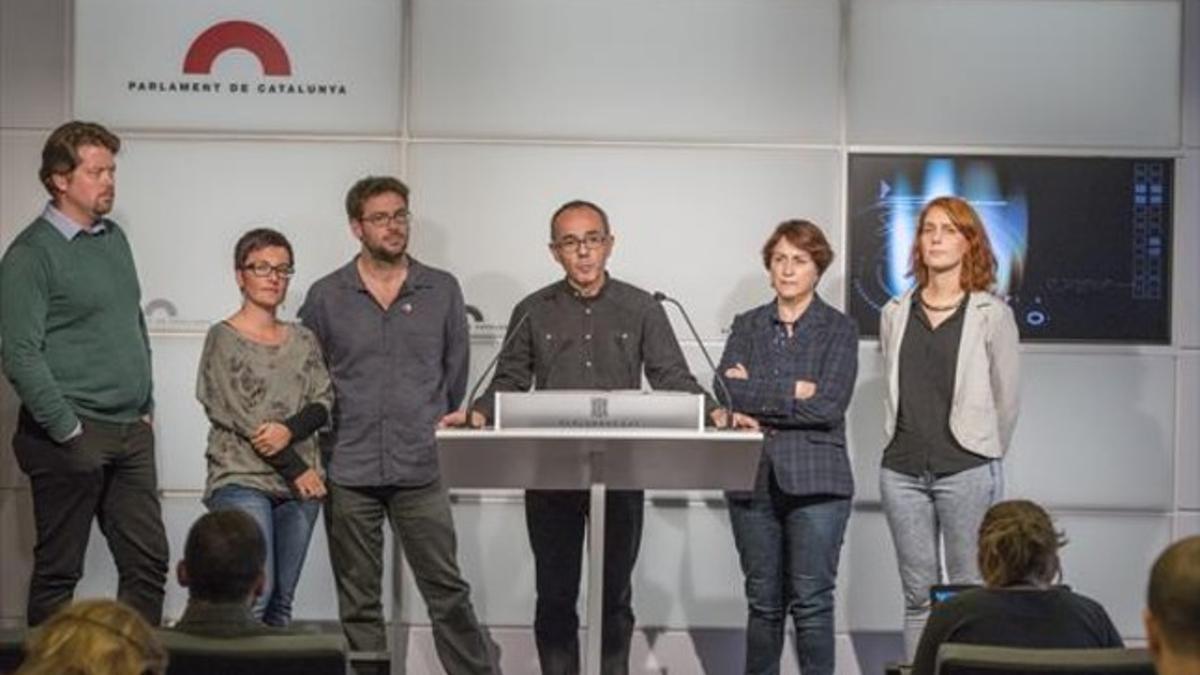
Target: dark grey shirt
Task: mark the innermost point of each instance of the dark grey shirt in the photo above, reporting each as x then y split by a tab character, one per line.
602	342
395	372
928	361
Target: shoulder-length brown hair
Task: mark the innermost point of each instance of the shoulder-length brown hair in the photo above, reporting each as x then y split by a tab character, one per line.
978	265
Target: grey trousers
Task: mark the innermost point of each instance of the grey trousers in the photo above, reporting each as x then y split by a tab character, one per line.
923	510
421	522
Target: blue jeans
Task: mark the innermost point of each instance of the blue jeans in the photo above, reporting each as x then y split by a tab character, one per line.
287	525
789	547
921	510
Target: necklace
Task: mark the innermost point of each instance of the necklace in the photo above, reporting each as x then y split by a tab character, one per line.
940	308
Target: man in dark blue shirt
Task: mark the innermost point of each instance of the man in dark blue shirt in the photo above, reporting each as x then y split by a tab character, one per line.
394	333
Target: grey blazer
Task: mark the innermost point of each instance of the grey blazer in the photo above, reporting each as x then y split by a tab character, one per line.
983	413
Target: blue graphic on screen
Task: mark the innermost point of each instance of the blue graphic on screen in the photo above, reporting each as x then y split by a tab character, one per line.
1082	244
1005	217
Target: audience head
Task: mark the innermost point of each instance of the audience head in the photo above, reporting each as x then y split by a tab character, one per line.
968	249
223	558
1018	545
94	637
1172	614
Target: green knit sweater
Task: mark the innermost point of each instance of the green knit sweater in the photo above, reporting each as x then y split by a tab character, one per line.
72	336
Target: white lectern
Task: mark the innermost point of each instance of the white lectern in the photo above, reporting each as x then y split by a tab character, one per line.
599	440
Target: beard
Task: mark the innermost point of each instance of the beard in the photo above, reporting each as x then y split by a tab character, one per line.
385	255
103	205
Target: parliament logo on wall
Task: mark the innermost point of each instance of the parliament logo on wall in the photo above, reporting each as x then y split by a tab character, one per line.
239	66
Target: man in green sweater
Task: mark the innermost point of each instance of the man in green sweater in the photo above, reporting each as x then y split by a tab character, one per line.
73	343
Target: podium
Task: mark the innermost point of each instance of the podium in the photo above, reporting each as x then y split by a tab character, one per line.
599	441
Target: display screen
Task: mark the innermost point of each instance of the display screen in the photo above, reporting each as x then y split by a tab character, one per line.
1082	243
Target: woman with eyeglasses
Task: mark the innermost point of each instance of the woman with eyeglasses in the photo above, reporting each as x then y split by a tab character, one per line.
266	391
951	362
790	366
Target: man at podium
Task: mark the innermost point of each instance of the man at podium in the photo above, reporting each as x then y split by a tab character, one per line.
586	331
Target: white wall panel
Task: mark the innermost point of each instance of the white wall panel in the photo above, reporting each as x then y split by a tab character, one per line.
33	63
1108	559
17	538
180	427
1027	72
688	572
1186	525
10	472
126	52
865	435
869	573
22	196
724	70
1186	265
1187	442
1191	73
689	222
185	203
1096	431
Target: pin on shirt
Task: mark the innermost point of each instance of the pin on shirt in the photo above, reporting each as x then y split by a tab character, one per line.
406	308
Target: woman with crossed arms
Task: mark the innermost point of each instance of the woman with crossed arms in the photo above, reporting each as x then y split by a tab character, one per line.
790	366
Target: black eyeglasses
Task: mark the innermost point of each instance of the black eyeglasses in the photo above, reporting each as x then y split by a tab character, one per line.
590	240
401	217
263	269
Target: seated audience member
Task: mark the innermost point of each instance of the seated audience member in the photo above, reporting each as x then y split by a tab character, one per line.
1019	605
222	568
94	637
1172	614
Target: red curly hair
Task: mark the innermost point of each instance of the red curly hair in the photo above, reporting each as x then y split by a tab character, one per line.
978	264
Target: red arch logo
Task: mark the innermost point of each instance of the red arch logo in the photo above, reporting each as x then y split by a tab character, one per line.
227	35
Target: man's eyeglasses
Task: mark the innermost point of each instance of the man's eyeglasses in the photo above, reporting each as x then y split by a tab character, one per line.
263	269
401	217
590	240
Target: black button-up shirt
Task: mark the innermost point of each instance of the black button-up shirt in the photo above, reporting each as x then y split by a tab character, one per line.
567	341
395	372
923	441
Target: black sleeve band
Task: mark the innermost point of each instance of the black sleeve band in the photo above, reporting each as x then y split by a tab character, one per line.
306	422
287	463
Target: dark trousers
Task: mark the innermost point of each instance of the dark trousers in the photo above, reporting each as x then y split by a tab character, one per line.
107	473
421	522
556	521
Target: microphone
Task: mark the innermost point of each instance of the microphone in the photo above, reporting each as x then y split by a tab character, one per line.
495	359
659	296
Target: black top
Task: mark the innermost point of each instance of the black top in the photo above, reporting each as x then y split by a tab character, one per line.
1010	617
923	441
567	341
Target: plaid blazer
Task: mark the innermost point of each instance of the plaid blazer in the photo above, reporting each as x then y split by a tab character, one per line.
805	440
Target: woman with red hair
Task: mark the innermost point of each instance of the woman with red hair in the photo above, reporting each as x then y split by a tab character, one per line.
950	354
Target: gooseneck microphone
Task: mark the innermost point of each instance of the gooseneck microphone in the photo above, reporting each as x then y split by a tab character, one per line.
492	364
659	296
